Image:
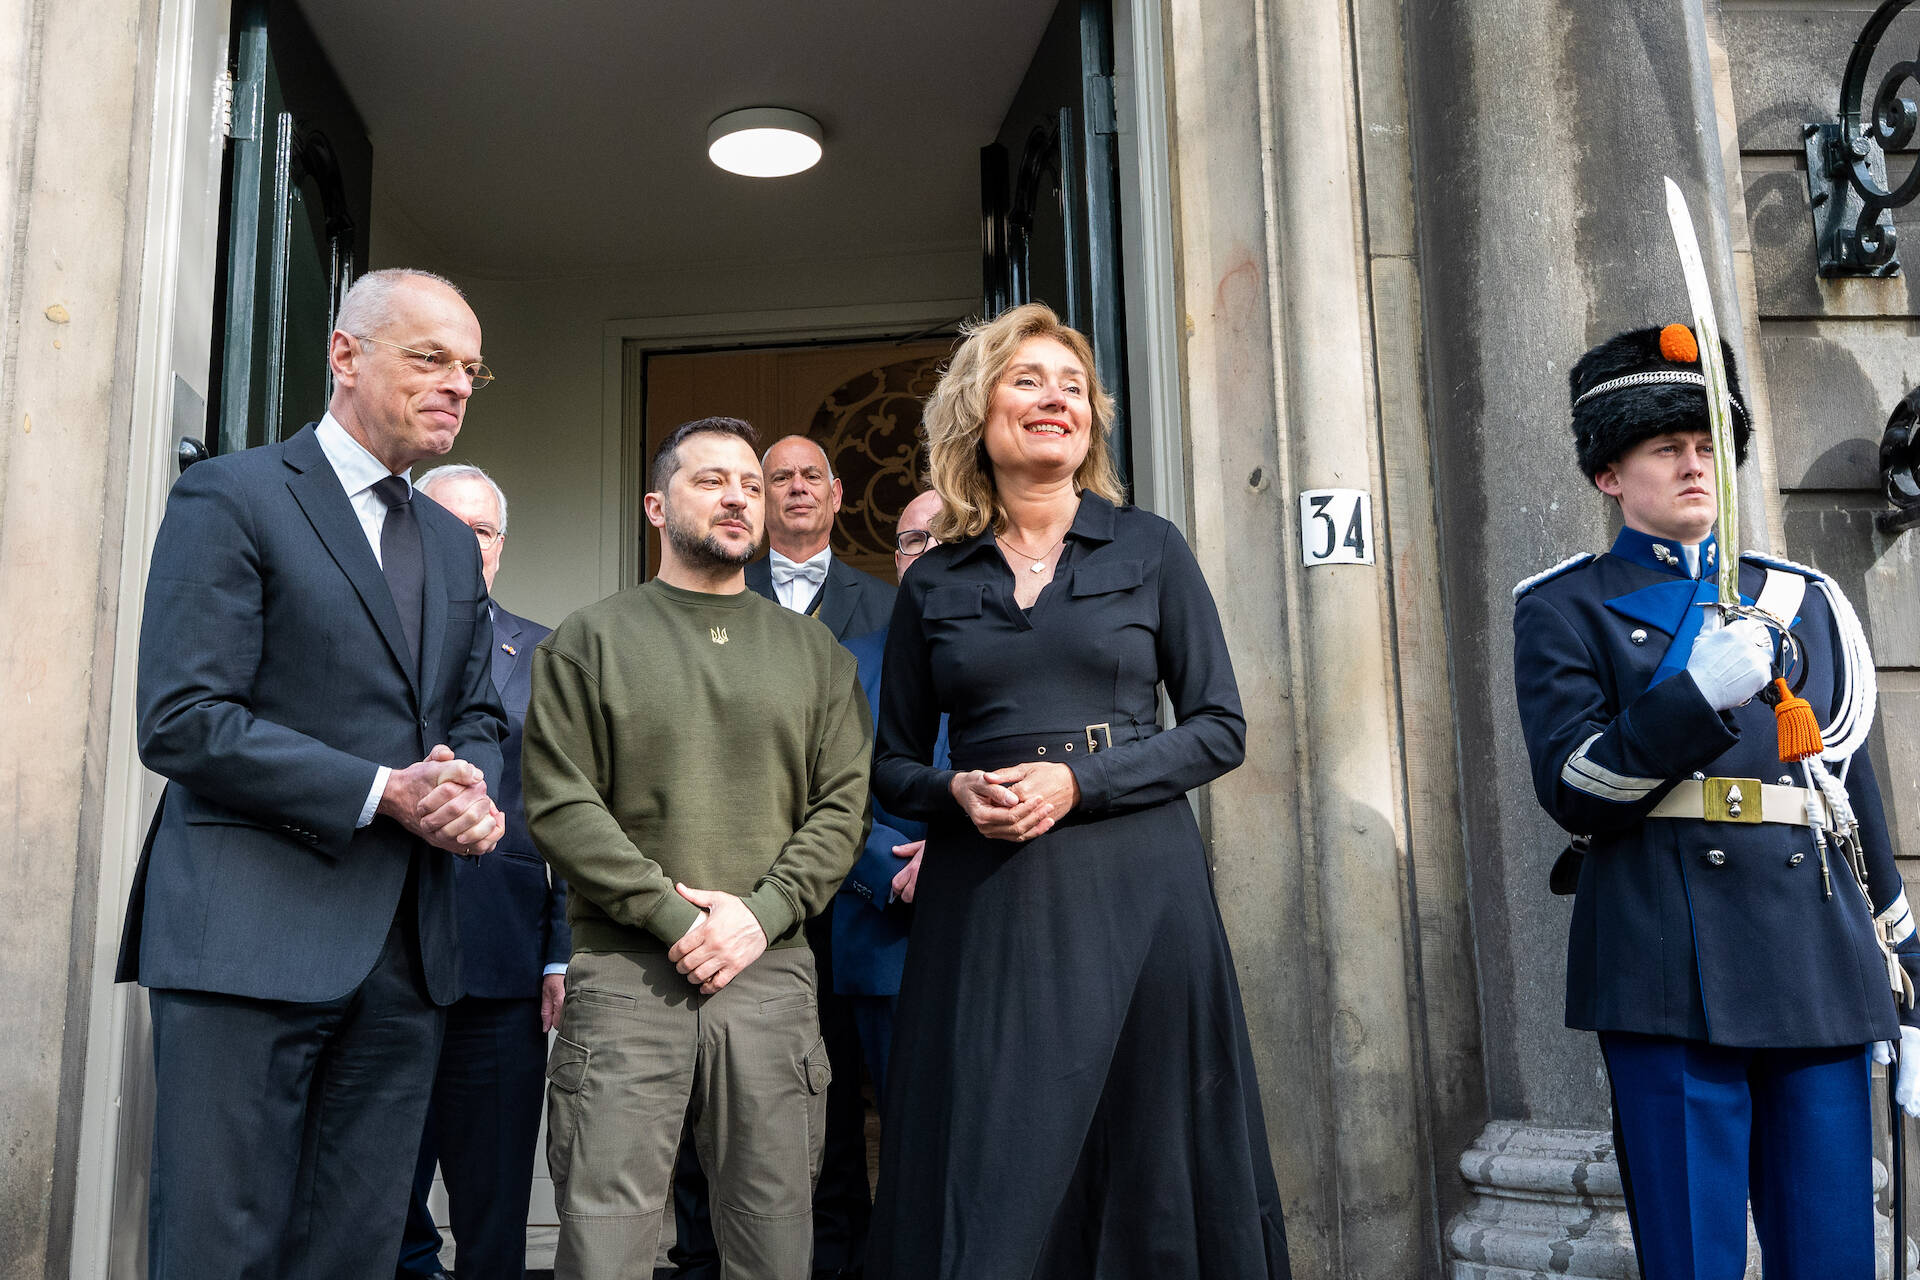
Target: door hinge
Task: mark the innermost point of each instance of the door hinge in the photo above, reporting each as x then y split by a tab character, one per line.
223	104
241	106
1098	97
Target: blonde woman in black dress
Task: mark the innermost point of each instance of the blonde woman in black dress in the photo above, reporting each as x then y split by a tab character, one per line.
1073	1094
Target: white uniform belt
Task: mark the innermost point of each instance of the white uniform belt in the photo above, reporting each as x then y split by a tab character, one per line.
1745	800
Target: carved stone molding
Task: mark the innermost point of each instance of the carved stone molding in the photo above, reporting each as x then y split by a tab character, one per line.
1547	1205
1546	1202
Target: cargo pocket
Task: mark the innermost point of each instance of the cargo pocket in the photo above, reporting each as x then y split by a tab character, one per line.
817	1073
566	1076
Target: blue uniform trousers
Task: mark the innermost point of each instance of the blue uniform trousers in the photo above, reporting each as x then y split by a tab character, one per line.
1702	1128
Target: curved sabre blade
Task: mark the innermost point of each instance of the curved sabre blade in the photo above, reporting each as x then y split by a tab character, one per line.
1719	397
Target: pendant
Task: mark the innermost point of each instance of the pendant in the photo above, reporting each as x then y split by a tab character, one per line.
1038	565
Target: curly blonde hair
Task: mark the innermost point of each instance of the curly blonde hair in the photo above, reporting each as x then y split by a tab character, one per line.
955	420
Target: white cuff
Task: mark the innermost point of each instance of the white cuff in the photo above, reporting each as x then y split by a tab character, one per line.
1896	920
372	806
552	969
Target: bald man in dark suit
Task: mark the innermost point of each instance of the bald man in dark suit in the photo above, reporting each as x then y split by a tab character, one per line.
315	687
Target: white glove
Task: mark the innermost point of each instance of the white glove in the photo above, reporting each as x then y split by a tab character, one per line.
1730	664
1906	1080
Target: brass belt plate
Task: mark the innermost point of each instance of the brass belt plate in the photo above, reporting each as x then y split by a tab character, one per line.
1732	800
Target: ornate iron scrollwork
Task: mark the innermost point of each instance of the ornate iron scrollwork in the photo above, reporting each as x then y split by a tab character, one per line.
1846	162
870	428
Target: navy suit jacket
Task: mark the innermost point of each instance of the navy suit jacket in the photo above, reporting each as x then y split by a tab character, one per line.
869	931
274	680
513	911
855	603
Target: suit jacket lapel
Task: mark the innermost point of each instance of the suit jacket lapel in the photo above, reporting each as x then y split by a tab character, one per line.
506	631
837	600
317	489
760	578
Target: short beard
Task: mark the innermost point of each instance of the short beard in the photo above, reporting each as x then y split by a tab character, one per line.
703	553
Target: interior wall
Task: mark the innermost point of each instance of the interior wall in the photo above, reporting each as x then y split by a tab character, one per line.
538	430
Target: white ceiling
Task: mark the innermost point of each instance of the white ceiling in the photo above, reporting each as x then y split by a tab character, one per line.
532	138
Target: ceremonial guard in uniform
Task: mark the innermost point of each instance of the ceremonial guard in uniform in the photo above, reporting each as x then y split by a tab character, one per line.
1740	937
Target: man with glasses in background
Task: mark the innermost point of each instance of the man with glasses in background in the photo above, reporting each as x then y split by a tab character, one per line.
514	942
873	910
315	685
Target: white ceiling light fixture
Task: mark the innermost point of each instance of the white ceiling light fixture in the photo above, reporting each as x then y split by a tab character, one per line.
764	142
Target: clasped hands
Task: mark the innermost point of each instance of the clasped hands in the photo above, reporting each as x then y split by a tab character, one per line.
723	941
1016	803
444	801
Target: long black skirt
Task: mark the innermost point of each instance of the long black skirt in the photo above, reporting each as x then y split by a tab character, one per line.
1071	1091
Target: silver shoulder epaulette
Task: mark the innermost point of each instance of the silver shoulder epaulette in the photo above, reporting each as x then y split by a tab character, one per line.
1781	562
1570	563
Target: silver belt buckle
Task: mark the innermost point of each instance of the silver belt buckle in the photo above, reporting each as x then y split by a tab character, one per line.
1095	732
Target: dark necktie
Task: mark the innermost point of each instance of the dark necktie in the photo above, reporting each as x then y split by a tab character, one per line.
402	559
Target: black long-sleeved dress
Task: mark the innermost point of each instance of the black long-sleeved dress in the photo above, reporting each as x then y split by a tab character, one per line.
1073	1092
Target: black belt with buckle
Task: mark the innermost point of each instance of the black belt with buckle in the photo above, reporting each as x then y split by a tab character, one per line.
1062	746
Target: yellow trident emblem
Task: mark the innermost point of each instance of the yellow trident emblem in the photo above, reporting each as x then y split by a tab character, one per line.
719	634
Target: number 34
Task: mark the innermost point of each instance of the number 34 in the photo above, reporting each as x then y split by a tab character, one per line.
1336	526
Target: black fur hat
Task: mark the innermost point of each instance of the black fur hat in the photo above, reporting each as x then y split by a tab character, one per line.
1667	393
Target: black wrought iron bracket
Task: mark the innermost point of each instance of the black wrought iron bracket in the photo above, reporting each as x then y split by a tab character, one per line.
1900	466
1846	162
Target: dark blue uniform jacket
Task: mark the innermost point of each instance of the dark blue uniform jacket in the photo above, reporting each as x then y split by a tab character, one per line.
1715	931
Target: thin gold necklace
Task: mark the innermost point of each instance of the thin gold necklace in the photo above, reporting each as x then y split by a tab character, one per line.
1040	564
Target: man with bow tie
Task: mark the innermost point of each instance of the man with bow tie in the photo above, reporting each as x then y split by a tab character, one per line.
801	573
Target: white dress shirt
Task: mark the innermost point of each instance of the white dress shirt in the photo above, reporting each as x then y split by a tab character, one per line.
358	471
797	592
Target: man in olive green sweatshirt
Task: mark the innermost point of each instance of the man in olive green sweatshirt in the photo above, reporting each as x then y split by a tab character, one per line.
695	766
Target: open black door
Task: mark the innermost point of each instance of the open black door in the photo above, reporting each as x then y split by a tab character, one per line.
298	183
1050	194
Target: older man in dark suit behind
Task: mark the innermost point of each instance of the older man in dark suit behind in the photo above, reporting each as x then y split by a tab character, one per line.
801	573
514	940
314	684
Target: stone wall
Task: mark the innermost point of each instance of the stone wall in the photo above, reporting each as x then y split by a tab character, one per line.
75	117
1838	355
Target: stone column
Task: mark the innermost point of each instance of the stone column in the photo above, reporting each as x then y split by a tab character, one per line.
1313	863
76	116
1542	133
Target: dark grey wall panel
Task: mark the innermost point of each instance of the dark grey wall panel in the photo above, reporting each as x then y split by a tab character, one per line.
1786	66
1832	384
1786	275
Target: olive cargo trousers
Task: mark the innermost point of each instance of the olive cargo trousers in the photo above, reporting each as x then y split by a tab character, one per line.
640	1052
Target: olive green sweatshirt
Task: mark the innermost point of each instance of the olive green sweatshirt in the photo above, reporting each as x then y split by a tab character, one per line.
720	741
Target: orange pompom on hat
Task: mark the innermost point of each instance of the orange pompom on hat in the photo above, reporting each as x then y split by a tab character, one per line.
1642	383
1677	345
